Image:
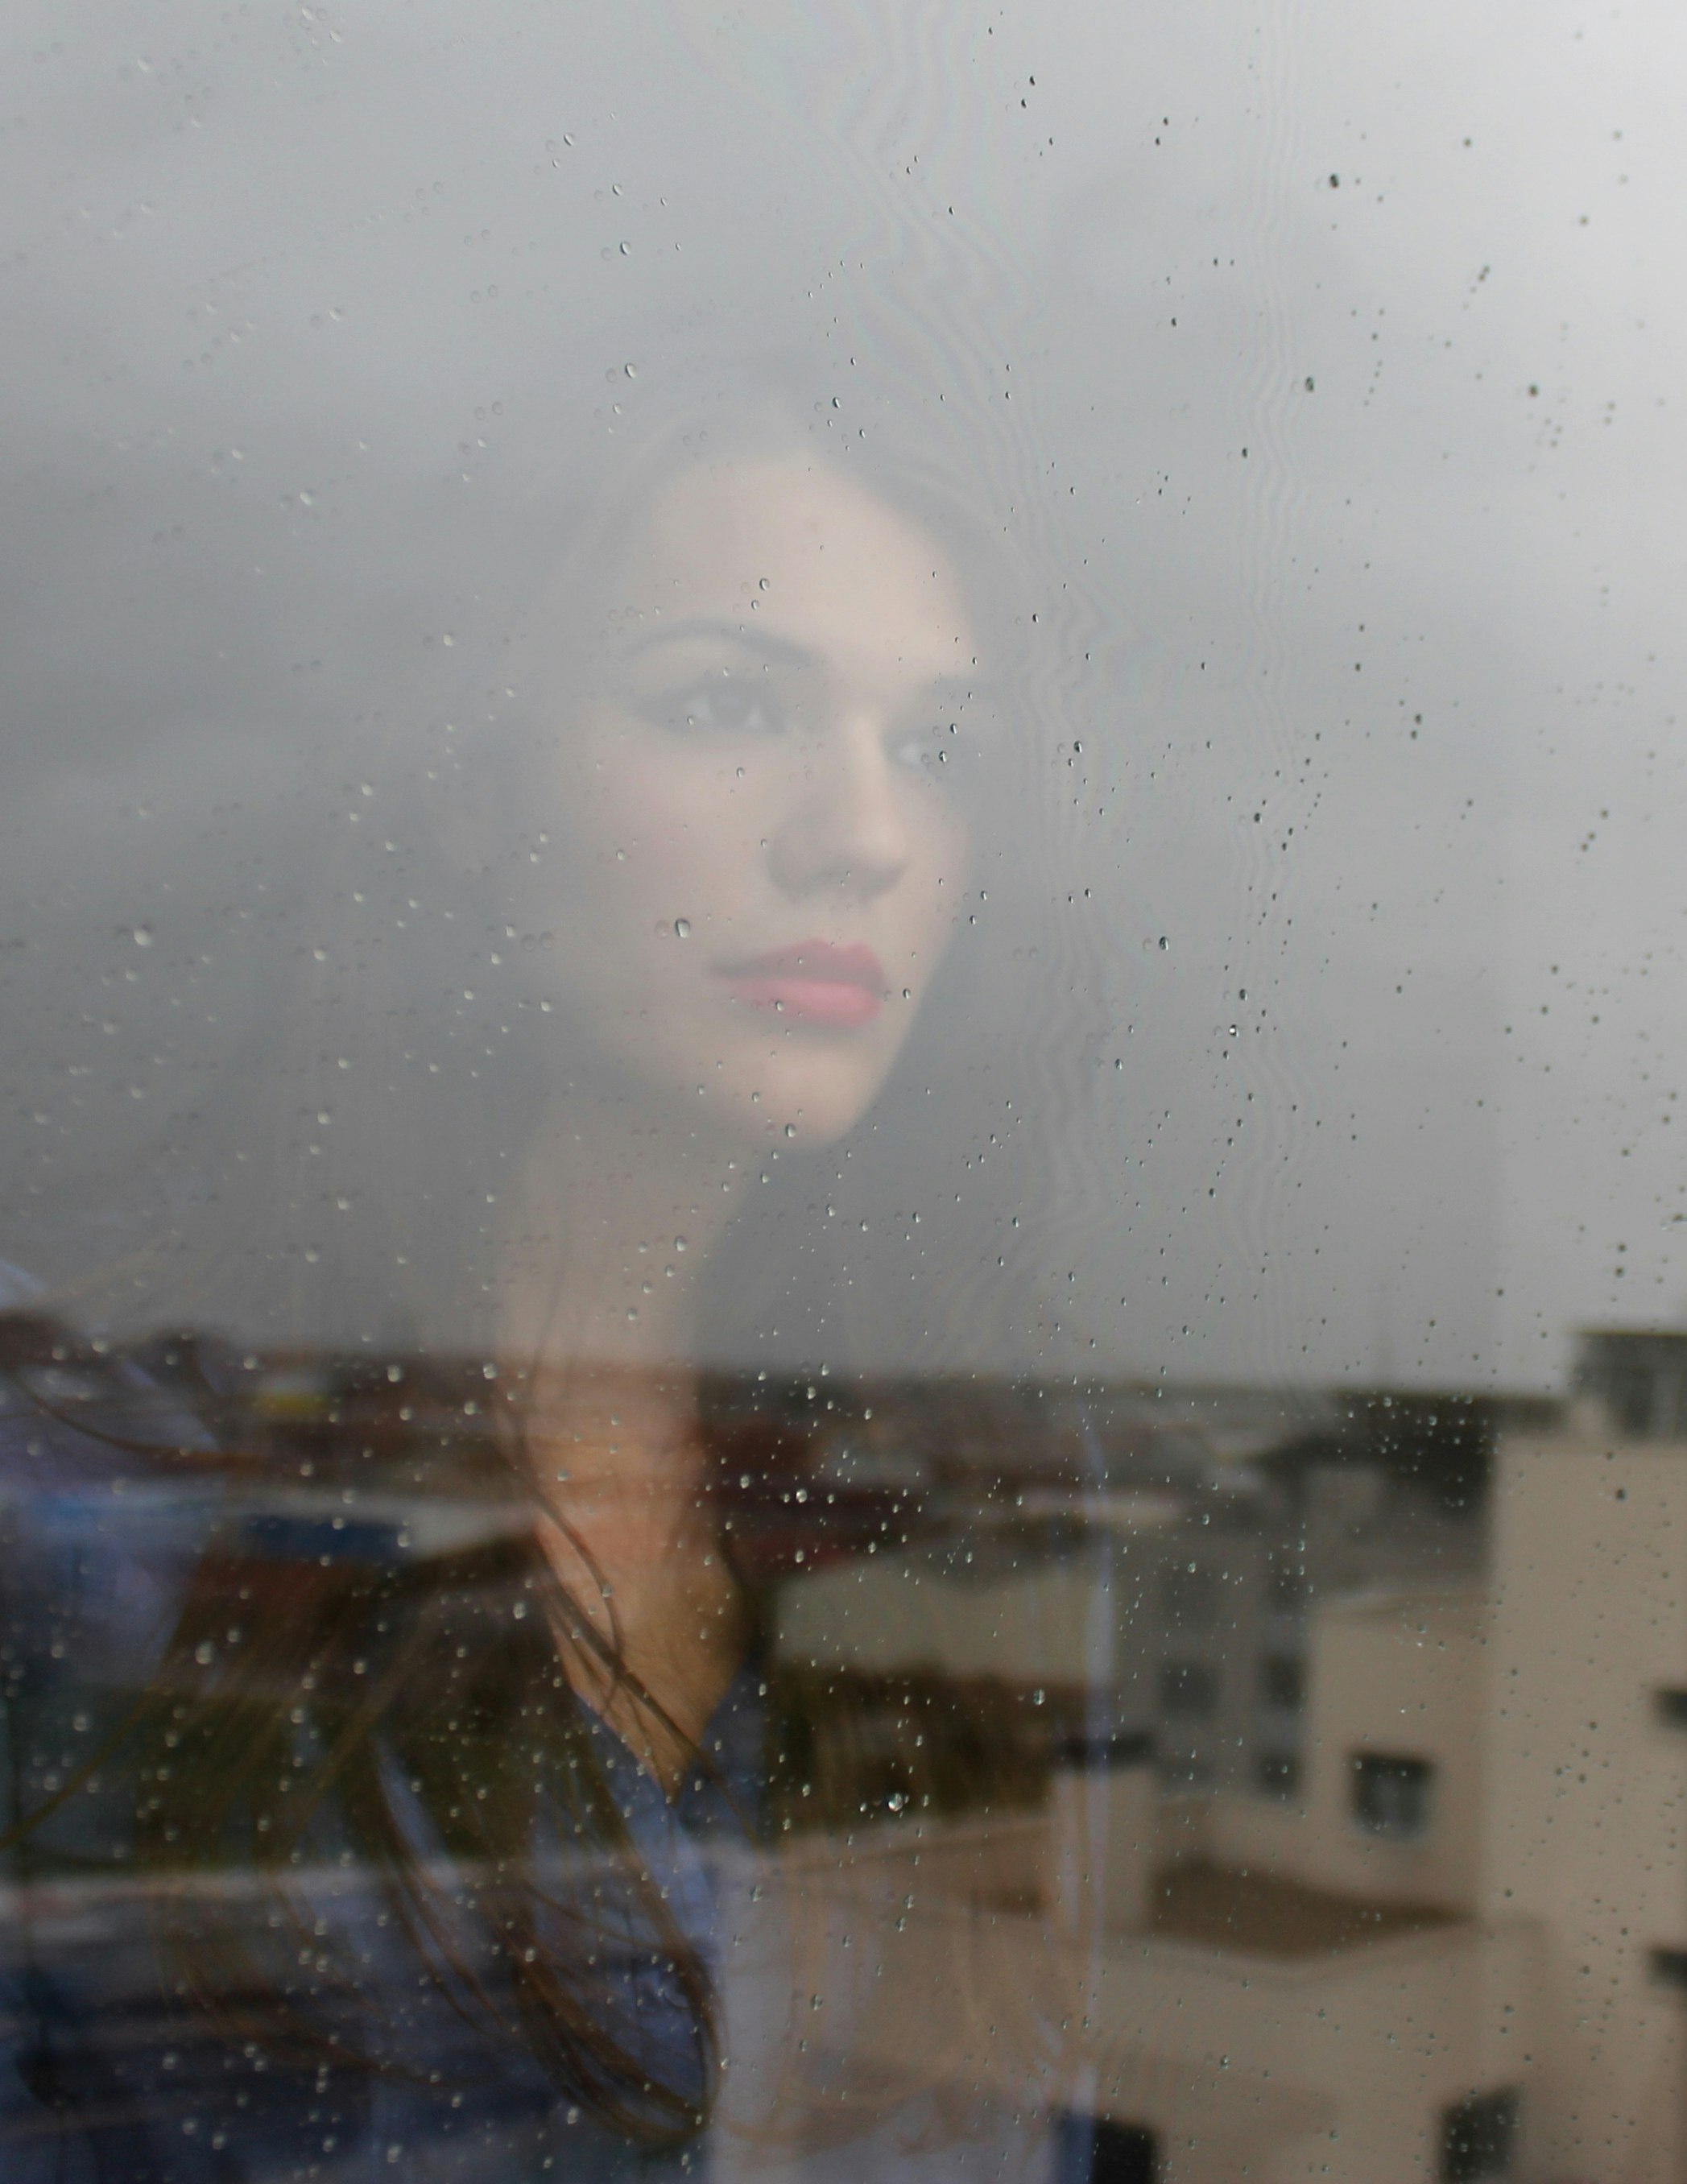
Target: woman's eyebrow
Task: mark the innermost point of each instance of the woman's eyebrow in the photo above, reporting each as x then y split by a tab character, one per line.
777	651
774	651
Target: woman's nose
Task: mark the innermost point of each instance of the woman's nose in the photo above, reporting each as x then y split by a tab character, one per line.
847	826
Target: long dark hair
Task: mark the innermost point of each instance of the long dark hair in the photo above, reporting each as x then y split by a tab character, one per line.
450	1677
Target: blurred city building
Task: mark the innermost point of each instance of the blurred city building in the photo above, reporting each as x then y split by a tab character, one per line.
1349	1730
1410	1879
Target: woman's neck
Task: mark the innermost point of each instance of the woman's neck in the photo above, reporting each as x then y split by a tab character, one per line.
628	1525
617	1210
608	1232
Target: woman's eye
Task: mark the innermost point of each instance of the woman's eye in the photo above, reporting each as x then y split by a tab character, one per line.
936	752
724	705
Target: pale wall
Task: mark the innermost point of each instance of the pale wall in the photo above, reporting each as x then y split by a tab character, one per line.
1588	1790
886	1613
1400	1674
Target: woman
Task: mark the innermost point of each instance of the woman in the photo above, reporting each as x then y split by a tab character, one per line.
409	1861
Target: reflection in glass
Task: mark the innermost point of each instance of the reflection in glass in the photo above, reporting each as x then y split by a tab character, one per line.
837	926
428	1727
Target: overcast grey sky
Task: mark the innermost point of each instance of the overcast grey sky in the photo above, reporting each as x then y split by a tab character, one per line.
1351	339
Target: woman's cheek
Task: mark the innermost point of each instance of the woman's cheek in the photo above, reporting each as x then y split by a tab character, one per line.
645	817
935	887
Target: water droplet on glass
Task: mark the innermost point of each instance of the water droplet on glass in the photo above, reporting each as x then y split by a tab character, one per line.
790	1129
682	928
761	583
204	1653
142	936
741	773
1164	942
907	993
680	1243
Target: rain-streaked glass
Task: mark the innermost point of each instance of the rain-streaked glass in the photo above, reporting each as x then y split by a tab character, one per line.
839	1330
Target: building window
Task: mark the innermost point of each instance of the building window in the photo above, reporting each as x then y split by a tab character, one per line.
1095	2150
1671	1708
1278	1773
1190	1596
1188	1690
1186	1770
1391	1795
1632	1400
1478	2137
1282	1680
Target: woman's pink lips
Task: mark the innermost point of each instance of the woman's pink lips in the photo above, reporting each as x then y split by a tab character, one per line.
817	982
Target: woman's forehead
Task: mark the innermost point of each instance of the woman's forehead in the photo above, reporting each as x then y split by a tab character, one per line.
804	550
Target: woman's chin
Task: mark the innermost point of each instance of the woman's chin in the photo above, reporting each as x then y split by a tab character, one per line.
792	1097
805	1107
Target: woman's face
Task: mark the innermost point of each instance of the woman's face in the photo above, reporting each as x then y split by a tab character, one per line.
762	798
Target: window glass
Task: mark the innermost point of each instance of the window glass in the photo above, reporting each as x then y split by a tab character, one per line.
1282	1681
841	1318
1479	2135
1391	1796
